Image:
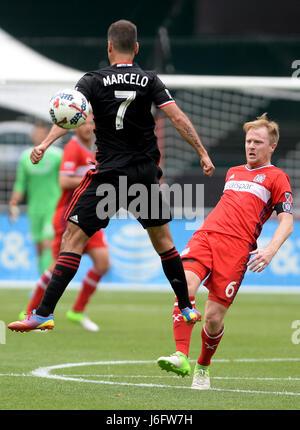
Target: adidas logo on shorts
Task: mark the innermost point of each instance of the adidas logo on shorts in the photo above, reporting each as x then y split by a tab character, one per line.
74	218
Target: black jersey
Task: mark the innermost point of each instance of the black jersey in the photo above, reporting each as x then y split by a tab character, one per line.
121	97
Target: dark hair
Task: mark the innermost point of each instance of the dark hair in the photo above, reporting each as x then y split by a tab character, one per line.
123	35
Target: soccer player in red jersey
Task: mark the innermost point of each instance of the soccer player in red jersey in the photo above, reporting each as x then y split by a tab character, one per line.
77	159
220	249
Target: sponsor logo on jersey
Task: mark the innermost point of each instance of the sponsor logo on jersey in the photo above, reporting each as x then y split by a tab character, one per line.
239	186
259	178
246	186
231	177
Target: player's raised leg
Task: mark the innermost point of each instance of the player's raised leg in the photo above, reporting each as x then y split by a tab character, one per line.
40	289
178	362
73	243
90	282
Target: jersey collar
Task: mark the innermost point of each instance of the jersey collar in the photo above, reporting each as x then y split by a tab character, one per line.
123	64
257	168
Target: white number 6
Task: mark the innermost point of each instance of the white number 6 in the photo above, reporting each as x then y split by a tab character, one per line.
229	291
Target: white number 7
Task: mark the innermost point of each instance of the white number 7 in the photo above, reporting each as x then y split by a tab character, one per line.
129	96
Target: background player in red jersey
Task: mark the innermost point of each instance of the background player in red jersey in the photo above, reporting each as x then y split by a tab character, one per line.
77	159
221	248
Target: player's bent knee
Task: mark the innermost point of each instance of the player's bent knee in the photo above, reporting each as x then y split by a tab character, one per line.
103	266
106	265
213	321
100	257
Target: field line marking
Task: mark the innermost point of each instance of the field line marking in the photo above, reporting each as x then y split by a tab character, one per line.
218	360
250	378
288	378
15	374
45	372
65	378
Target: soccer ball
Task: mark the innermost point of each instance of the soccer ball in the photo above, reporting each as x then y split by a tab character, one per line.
68	108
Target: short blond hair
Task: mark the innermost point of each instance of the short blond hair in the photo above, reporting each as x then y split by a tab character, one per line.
263	121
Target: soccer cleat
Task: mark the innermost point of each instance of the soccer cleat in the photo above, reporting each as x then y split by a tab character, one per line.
22	315
33	322
79	317
191	315
177	363
75	317
201	379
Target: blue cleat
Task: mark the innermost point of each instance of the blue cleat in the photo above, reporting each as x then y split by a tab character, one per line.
33	322
191	316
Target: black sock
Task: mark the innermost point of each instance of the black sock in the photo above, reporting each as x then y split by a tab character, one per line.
64	271
173	269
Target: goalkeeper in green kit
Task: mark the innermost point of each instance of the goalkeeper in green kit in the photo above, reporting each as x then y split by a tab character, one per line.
39	183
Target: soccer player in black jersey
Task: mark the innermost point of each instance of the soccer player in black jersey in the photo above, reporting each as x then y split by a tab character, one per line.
121	96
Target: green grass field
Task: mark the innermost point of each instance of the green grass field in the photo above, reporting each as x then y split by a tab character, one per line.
257	365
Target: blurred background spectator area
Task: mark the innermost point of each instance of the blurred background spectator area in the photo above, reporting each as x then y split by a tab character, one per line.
177	37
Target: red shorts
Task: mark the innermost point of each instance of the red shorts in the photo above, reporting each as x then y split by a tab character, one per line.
220	258
98	240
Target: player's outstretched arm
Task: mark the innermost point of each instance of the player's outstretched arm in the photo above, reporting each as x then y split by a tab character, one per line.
38	151
185	127
264	255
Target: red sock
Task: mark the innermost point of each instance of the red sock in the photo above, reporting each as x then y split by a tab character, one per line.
39	291
182	331
89	286
209	346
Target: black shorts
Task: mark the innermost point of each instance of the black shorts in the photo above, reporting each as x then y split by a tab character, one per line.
101	194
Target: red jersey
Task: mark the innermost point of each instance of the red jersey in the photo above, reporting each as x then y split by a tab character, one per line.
76	161
248	200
